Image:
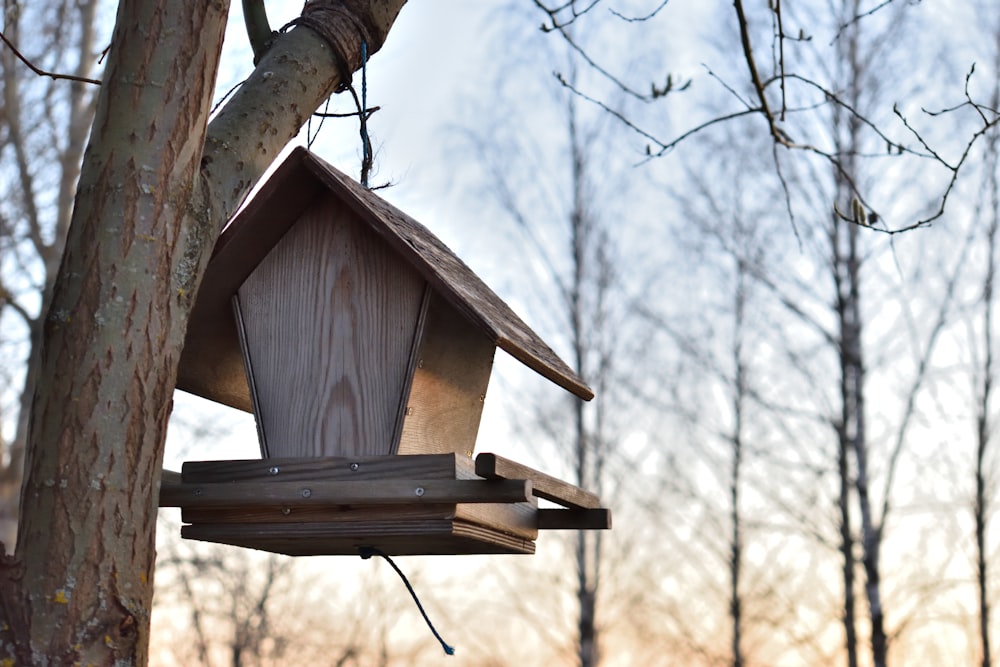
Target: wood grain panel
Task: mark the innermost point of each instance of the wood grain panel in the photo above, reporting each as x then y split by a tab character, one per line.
452	371
329	322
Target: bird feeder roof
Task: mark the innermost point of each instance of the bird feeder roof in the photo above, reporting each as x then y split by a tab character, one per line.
212	364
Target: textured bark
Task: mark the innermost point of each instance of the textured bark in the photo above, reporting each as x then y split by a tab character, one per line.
156	187
66	138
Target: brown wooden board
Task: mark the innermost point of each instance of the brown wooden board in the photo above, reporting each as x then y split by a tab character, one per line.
520	519
311	493
329	317
451	372
393	537
574	519
492	466
425	466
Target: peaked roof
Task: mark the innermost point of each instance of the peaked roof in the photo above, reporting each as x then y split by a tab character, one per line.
212	363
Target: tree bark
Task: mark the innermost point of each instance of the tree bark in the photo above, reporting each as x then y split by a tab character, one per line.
157	186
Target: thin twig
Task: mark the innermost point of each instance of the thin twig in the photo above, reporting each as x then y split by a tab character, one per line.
639	19
41	72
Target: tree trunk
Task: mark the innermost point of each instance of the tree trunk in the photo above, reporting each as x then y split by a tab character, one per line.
984	421
736	467
156	187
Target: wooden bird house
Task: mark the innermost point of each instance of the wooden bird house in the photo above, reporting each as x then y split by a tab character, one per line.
355	336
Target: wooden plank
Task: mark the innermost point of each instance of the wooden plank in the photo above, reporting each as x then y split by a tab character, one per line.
329	318
574	519
312	493
331	468
492	466
395	538
518	519
451	372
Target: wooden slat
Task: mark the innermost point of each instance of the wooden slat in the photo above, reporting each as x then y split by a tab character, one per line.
574	519
332	468
492	466
518	519
395	538
329	316
451	372
312	493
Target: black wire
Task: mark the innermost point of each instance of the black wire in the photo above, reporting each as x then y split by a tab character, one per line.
368	552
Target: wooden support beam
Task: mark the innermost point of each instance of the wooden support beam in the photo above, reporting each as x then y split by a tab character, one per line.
372	492
574	519
562	493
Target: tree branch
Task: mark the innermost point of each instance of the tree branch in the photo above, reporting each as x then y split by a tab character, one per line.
258	28
41	72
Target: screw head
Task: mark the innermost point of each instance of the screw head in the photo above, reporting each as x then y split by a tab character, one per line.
198	491
274	470
306	493
286	511
355	467
419	491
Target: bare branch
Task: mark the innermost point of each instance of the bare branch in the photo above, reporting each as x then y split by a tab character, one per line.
644	17
41	72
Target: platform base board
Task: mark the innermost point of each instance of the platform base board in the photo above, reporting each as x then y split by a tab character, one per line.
394	538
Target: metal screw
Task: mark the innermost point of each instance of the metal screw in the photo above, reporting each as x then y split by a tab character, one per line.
409	411
274	470
306	493
198	491
286	511
419	491
355	467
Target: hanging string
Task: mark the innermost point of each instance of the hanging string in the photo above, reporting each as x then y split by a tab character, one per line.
366	142
368	552
337	10
310	137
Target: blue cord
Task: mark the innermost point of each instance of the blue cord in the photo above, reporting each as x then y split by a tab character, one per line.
368	552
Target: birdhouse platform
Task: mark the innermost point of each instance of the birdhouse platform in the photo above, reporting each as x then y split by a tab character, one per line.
400	505
364	347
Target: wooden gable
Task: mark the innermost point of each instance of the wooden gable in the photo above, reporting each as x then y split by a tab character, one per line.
336	317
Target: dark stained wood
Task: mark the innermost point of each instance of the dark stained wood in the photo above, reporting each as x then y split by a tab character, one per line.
492	466
451	371
518	519
326	494
426	466
574	519
393	537
463	507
